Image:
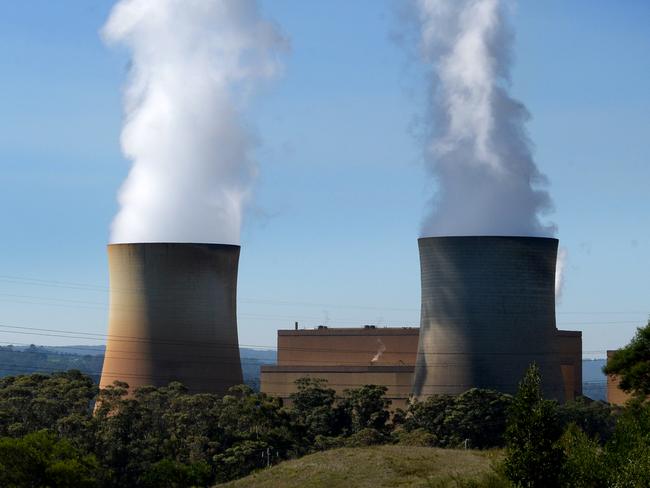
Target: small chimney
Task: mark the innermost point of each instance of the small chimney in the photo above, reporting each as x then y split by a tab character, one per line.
296	325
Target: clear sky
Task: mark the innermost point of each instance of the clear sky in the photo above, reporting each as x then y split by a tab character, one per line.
331	235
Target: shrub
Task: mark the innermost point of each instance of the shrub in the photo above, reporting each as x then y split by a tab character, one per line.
584	465
168	473
366	437
476	418
417	437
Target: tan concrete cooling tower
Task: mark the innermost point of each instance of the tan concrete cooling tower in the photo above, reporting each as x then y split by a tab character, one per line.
173	316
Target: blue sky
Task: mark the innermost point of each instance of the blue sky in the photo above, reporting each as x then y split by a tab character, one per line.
331	235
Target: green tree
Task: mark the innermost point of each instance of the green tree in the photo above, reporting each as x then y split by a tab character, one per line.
168	473
632	364
585	465
242	458
61	402
595	418
312	408
134	434
476	418
365	407
628	451
533	457
40	459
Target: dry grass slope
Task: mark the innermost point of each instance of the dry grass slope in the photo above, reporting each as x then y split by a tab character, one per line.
379	466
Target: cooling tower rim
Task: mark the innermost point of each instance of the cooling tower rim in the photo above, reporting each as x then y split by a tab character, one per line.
209	245
488	237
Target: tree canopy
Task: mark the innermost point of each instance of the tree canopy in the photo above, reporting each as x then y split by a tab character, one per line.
632	364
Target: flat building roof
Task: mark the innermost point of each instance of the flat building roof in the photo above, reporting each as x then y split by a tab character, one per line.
351	331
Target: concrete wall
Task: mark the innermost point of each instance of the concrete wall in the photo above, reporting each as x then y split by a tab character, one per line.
571	362
348	347
173	316
488	311
615	395
344	357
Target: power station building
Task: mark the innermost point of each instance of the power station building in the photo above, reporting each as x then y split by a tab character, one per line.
346	357
488	312
615	395
352	357
172	316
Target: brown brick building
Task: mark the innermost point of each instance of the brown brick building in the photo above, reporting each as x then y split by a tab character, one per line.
351	357
615	395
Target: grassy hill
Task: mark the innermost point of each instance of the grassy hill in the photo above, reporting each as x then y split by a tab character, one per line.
379	466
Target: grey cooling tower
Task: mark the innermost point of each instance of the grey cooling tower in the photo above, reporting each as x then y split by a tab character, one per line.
488	311
173	316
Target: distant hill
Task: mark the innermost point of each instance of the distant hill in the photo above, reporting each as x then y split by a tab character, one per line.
33	359
372	467
89	359
261	354
594	381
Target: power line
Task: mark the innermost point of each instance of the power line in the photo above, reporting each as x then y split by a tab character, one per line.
134	339
103	288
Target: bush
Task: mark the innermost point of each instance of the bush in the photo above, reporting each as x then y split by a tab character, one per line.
596	419
364	408
366	437
417	437
324	443
312	409
628	451
476	418
168	473
585	464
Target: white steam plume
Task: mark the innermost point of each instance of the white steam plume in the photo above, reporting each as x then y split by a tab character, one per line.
380	350
194	64
559	272
478	149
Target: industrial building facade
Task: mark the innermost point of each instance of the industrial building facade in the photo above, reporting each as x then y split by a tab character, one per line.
615	395
352	357
346	357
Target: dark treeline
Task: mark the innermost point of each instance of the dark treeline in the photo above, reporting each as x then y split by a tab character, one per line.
167	437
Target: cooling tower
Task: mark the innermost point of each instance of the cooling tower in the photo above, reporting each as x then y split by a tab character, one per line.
488	311
173	316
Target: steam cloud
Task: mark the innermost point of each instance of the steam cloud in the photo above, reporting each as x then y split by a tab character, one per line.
478	148
194	65
380	350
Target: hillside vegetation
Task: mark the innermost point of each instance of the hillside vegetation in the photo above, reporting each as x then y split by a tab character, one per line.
377	466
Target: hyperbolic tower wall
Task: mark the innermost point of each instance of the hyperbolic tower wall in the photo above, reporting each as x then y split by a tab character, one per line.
488	311
173	316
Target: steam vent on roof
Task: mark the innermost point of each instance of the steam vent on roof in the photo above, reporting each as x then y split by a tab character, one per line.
173	316
488	311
